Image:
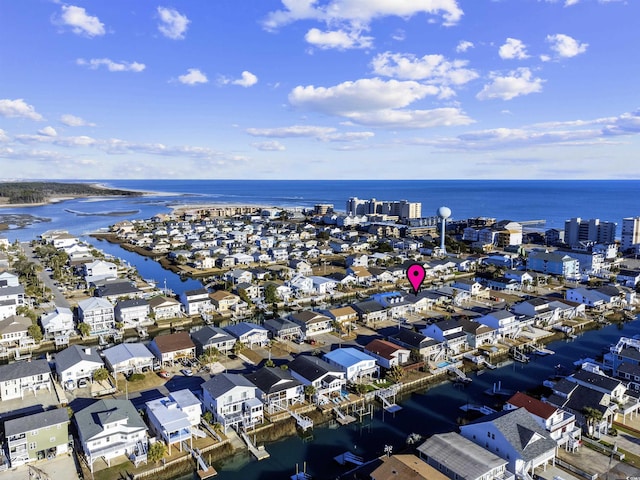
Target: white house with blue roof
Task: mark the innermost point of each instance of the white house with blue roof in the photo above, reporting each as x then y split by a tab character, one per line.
128	358
175	418
356	364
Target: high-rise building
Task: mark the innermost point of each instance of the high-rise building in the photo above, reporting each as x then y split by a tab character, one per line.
630	238
577	230
402	209
322	208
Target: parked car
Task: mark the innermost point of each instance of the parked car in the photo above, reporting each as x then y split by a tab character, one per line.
164	374
187	372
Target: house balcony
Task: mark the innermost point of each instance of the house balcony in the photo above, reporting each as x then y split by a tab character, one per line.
111	451
506	475
17	439
178	436
567	418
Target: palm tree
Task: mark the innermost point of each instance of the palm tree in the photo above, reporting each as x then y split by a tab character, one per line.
593	417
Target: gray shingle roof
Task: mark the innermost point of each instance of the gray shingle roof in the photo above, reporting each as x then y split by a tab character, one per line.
17	370
222	383
206	334
36	421
310	367
272	380
90	420
73	355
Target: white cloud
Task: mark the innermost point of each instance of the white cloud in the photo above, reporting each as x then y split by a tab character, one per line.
112	66
48	132
565	46
464	45
360	12
338	39
73	121
513	49
364	94
18	108
325	134
8	152
246	80
388	118
3	136
273	146
433	68
80	22
172	23
516	83
193	77
399	35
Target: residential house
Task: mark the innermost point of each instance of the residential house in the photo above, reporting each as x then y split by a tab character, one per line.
361	274
98	314
548	311
172	347
301	267
628	277
395	303
312	323
323	285
405	466
276	388
238	276
128	358
14	331
113	290
477	333
472	287
11	295
232	400
561	425
196	302
224	302
460	458
249	334
506	323
19	378
554	263
357	365
301	285
164	307
596	298
175	418
40	436
132	312
370	312
76	363
283	329
327	380
516	437
345	316
58	323
450	332
428	348
209	337
111	428
387	354
99	270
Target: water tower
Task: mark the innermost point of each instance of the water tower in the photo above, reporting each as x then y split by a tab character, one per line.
443	213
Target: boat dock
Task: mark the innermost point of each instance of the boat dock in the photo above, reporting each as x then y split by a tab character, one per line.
498	391
460	375
259	452
386	394
474	407
204	470
541	351
343	418
348	457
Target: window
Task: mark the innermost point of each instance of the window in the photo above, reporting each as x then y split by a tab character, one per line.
32	446
34	433
493	437
52	439
489	434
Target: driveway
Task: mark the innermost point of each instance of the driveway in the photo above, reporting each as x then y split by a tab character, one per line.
45	277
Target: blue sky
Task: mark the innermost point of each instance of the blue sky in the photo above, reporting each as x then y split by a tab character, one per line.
310	89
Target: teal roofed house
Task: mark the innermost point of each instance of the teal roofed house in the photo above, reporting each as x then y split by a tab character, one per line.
356	364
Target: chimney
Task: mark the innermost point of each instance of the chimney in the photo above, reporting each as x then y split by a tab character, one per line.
87	350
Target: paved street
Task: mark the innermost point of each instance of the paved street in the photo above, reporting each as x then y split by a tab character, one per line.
45	277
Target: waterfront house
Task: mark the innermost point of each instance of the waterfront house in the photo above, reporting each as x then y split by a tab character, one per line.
132	312
405	466
323	285
128	358
111	428
361	274
238	276
209	337
460	458
58	323
506	323
41	436
596	298
514	436
450	332
113	290
301	267
477	333
232	400
175	418
196	302
345	316
76	363
628	277
172	347
312	323
98	314
14	331
99	270
283	329
225	302
357	365
427	347
17	379
249	334
328	380
301	285
276	388
548	311
560	424
394	302
164	307
472	287
387	354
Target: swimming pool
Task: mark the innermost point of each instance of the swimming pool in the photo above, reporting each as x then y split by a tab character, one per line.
443	364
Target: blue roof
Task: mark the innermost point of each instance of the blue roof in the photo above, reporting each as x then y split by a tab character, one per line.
242	328
347	357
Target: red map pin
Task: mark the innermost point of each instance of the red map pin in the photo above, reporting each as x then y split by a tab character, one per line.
415	275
